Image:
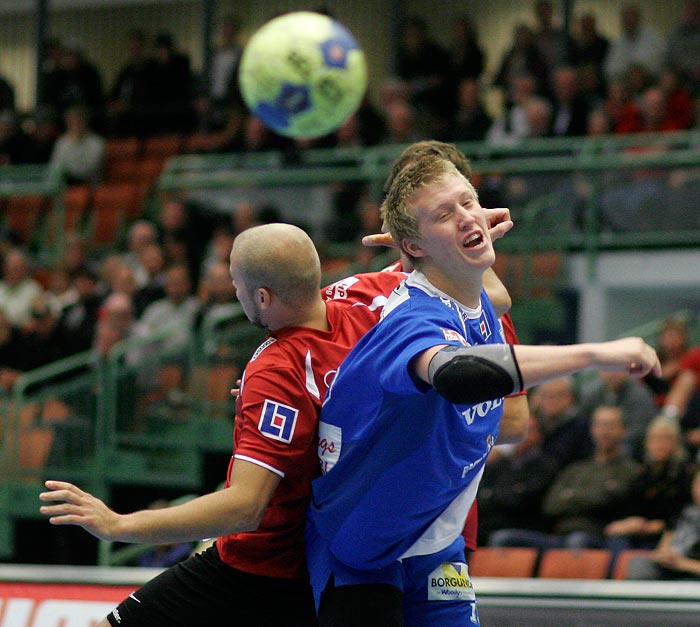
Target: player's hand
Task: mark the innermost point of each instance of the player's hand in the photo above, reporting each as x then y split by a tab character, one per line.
631	354
499	222
237	390
379	239
71	506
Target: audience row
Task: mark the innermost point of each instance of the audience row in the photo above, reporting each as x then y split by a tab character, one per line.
553	83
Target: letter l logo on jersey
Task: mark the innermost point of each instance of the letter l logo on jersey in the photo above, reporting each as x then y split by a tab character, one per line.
277	421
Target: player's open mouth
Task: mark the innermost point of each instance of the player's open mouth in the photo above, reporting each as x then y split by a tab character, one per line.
473	240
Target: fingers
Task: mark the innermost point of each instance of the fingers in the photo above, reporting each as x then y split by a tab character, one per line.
61	491
499	230
641	359
237	390
67	500
649	363
62	515
495	216
378	239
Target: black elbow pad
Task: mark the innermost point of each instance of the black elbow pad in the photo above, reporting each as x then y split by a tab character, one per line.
474	374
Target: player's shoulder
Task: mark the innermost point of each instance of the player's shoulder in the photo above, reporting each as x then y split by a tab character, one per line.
273	355
263	352
363	287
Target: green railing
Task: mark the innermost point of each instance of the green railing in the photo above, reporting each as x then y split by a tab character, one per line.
144	416
39	181
50	426
581	172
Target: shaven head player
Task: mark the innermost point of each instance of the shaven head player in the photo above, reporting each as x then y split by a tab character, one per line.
277	273
255	574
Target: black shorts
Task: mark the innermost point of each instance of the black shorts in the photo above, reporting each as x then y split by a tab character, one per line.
203	591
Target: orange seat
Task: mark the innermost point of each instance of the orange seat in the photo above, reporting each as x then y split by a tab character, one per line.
492	561
76	200
162	146
575	564
623	559
171	376
123	148
149	170
54	410
34	447
23	214
35	430
122	170
545	270
111	204
220	379
201	142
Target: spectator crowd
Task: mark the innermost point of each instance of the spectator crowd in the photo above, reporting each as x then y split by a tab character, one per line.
553	83
609	460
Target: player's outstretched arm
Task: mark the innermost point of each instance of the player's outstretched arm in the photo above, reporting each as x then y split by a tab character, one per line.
237	508
479	373
541	363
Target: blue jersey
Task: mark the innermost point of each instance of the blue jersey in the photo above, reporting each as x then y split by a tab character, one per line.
401	463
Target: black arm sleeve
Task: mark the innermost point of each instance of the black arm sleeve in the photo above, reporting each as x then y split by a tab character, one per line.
473	374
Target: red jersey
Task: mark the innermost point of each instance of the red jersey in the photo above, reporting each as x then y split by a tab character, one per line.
691	361
277	412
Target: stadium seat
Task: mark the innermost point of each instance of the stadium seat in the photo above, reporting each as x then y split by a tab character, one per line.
24	214
171	376
210	389
76	200
220	379
54	410
34	447
491	561
162	146
36	432
123	148
622	560
122	170
575	564
111	204
201	142
149	170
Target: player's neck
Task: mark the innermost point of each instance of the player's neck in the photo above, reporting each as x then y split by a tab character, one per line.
314	317
465	290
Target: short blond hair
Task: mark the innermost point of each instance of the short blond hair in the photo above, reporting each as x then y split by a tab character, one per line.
398	214
425	148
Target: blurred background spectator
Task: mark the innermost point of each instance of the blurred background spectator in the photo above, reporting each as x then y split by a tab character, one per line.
638	46
79	153
131	106
659	493
18	289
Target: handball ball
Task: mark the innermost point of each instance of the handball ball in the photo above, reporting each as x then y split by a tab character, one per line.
303	74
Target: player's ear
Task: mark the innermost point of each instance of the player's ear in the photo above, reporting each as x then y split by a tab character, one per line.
263	297
412	248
